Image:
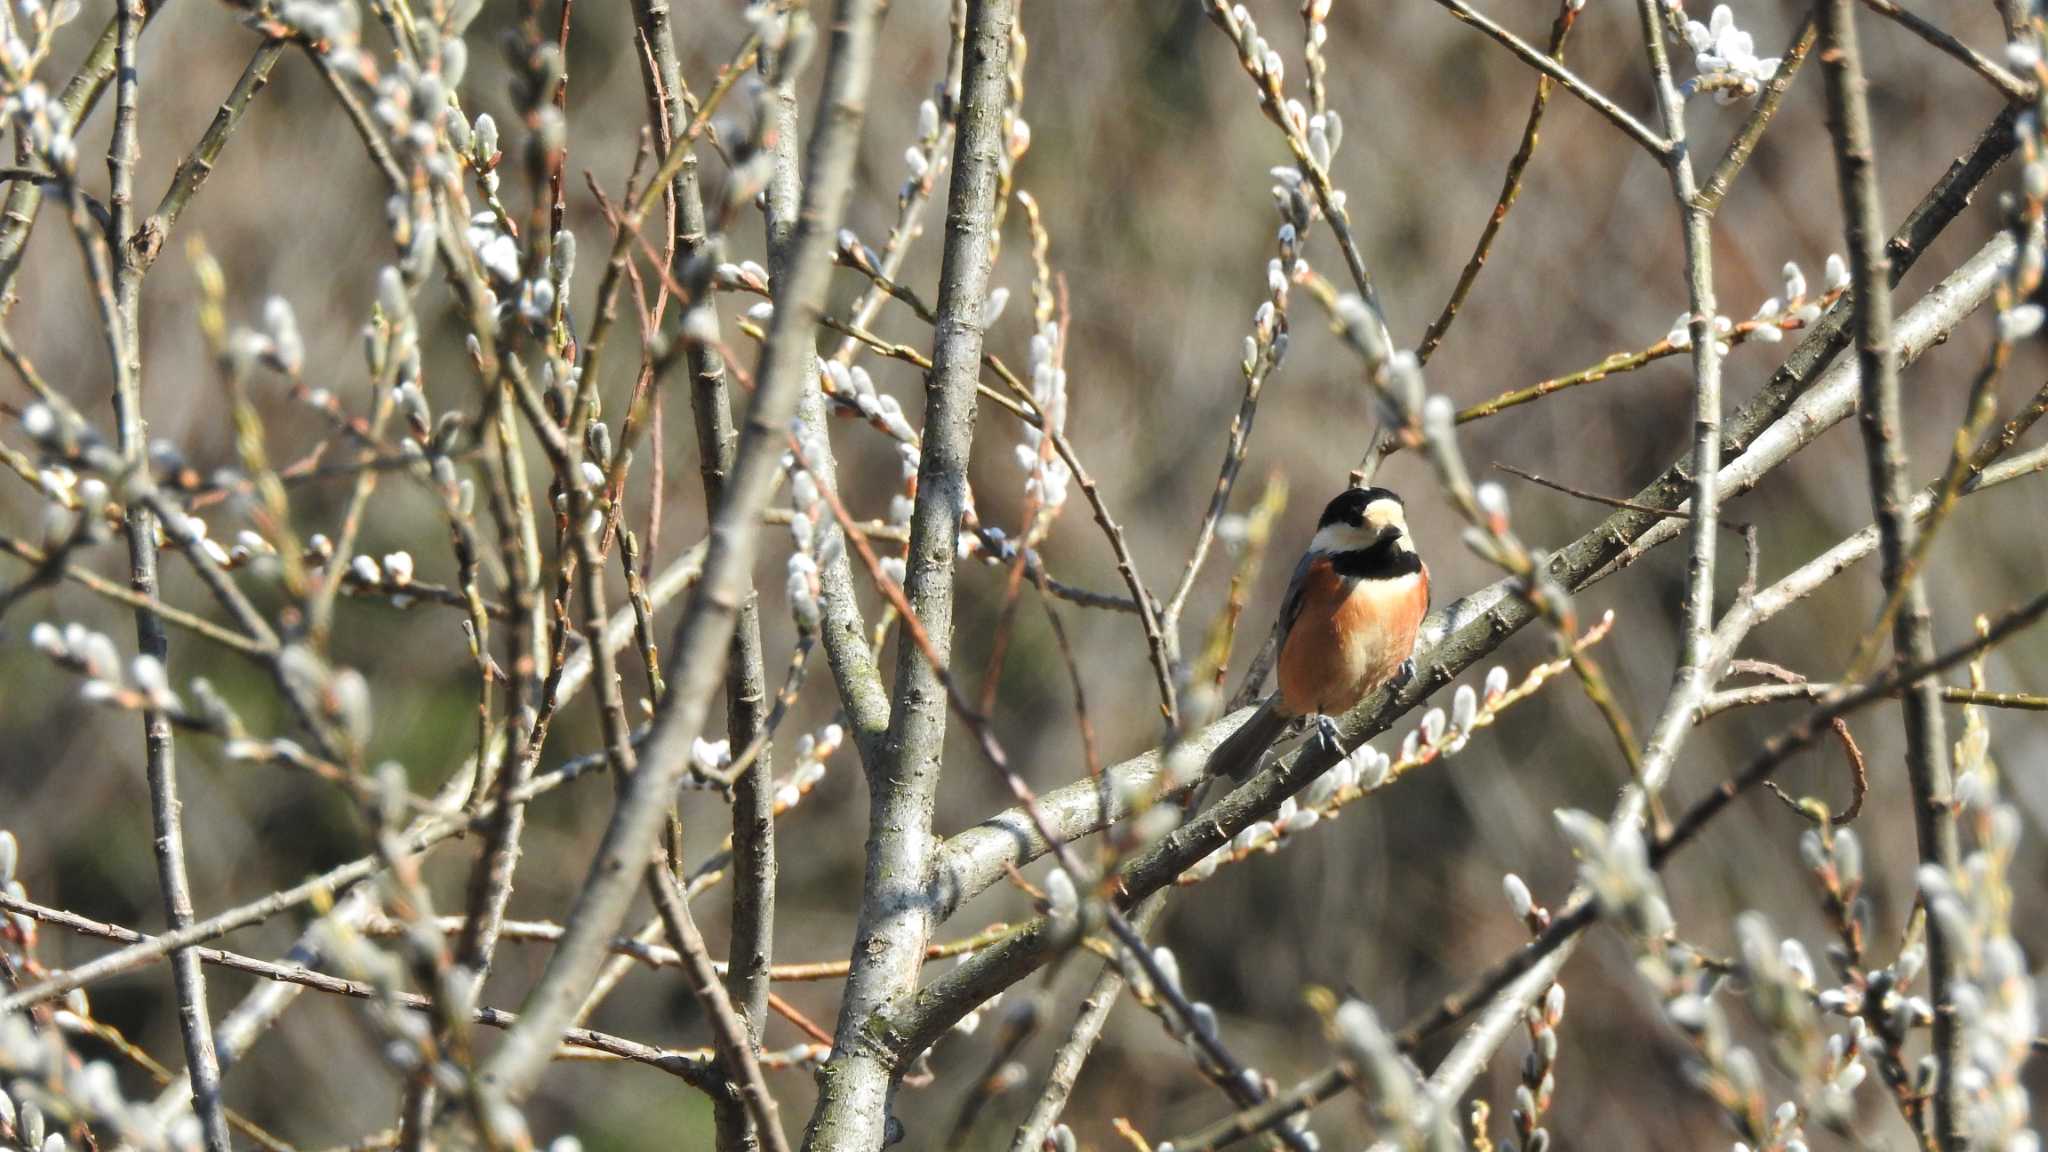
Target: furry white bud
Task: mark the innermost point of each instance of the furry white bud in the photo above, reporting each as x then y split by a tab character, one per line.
47	639
710	755
1492	500
1520	902
2019	322
1496	682
1795	281
1464	708
1836	274
147	673
1063	901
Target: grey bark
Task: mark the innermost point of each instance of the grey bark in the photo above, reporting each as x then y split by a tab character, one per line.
746	695
124	341
896	917
1927	750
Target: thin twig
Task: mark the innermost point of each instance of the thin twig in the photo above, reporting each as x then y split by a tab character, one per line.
198	164
1752	130
1754	694
1927	750
1609	501
123	336
1858	769
1628	361
737	1045
1635	129
748	724
100	585
2010	86
78	97
1510	190
1695	675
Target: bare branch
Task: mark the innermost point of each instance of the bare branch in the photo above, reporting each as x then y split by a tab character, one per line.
1927	751
895	919
1658	146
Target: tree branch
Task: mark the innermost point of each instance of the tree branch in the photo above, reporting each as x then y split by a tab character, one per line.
124	331
1927	750
895	917
746	702
1635	129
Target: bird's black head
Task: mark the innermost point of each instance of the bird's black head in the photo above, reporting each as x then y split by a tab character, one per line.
1365	533
1350	505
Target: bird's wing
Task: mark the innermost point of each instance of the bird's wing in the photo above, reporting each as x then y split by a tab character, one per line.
1297	593
1290	608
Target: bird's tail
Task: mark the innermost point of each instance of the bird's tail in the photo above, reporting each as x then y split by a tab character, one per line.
1239	754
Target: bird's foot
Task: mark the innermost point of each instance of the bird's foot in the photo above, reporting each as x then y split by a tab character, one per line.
1326	734
1403	675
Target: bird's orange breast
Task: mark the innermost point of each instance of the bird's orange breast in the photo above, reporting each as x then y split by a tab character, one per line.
1348	641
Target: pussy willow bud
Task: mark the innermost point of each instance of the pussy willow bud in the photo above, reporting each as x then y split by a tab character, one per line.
1520	902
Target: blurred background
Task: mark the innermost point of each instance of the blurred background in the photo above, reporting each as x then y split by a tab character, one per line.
1149	159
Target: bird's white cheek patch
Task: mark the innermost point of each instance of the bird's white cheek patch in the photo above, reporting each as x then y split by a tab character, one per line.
1333	538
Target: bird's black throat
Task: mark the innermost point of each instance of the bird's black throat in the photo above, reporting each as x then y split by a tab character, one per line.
1381	561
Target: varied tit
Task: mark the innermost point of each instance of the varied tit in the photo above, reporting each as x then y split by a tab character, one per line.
1347	625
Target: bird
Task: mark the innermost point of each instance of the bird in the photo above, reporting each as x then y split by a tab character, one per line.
1347	625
